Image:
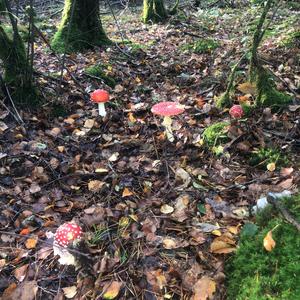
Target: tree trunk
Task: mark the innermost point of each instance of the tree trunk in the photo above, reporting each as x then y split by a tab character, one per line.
154	11
16	69
80	27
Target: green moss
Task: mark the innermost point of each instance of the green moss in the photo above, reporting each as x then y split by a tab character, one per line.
253	273
292	39
23	31
99	71
215	134
16	70
81	29
264	156
223	101
154	11
267	93
202	46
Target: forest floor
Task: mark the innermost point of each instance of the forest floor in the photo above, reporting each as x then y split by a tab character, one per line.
160	218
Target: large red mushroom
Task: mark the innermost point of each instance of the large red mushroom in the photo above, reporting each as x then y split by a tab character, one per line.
100	97
168	109
65	236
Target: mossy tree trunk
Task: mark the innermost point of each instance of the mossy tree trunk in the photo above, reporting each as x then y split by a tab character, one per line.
267	95
16	67
154	11
80	27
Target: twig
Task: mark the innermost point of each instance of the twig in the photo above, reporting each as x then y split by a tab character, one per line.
272	199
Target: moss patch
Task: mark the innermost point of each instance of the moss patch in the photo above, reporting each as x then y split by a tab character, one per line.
253	273
264	156
100	71
267	93
202	46
216	134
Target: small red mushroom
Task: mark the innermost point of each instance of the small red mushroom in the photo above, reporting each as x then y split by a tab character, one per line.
168	109
66	235
236	111
100	97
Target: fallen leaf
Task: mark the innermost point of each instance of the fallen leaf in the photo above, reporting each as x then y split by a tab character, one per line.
221	247
70	291
286	171
31	243
112	290
95	185
21	272
247	88
204	289
181	207
25	291
127	192
271	167
89	123
172	243
25	231
166	209
269	243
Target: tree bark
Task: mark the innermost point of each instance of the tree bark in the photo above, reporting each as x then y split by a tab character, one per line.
80	27
154	11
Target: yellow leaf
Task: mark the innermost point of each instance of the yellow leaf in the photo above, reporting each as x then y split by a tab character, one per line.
216	232
234	229
204	288
126	192
221	247
124	221
247	88
269	243
112	290
271	167
131	118
31	243
61	148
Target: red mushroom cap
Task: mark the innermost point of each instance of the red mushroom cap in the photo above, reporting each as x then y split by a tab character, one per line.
99	96
167	108
236	111
67	233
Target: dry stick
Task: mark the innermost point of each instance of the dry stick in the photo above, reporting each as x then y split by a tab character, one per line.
285	213
16	116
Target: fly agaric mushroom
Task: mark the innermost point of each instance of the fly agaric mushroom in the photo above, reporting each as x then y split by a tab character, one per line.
236	111
100	97
65	236
167	109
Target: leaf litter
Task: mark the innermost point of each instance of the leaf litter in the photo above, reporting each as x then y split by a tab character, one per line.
160	219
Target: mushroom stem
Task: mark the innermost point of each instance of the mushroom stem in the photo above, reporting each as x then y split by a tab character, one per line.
167	122
101	108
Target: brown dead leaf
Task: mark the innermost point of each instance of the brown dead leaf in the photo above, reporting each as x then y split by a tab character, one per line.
286	171
286	184
204	288
247	88
21	272
111	290
172	243
221	247
181	207
95	185
89	123
269	243
24	291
